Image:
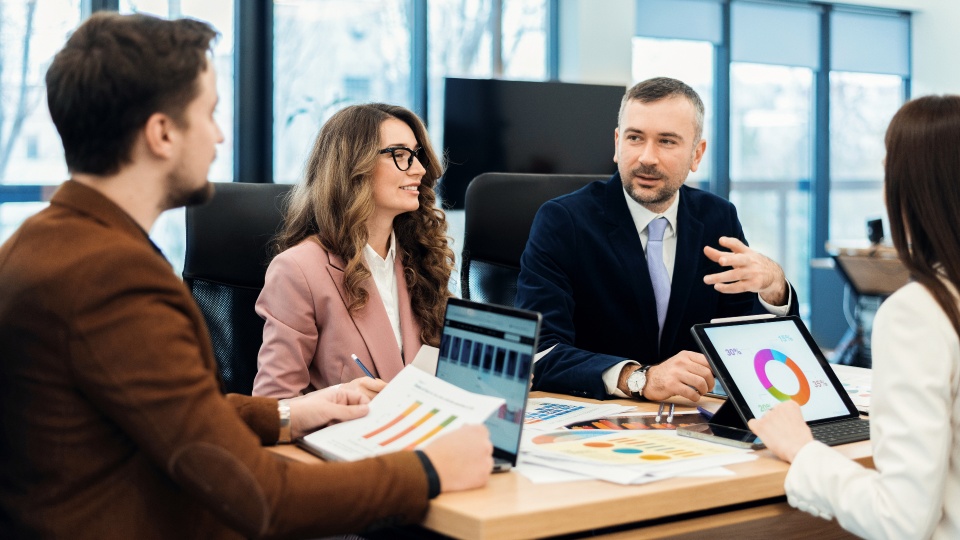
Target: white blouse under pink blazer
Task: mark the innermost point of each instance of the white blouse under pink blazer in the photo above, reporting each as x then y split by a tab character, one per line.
309	335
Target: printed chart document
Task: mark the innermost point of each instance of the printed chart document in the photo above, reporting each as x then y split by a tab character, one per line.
627	457
411	411
545	414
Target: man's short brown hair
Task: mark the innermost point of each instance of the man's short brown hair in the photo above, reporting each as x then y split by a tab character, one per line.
658	88
115	72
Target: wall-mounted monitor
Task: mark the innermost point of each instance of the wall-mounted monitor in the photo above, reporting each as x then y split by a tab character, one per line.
525	127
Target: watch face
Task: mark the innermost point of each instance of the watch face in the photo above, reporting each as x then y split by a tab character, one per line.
636	381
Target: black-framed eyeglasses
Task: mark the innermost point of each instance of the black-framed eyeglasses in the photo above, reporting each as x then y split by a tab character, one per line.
403	156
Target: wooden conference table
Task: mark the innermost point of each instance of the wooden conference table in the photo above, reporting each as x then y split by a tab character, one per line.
750	504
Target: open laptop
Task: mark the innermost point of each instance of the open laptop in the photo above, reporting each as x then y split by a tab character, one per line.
488	349
765	361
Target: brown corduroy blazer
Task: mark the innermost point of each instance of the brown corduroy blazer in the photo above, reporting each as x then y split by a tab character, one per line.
113	425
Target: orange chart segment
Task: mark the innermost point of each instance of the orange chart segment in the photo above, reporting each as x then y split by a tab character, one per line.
395	421
405	431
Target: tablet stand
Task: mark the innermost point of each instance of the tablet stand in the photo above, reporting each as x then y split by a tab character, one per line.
728	416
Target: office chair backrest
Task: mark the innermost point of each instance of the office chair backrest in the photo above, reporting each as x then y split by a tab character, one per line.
499	210
226	260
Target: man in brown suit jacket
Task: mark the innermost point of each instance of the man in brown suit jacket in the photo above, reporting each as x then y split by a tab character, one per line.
113	425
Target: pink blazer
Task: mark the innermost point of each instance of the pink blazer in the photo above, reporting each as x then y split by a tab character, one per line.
309	335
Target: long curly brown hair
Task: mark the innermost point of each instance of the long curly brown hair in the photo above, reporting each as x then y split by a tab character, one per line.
335	199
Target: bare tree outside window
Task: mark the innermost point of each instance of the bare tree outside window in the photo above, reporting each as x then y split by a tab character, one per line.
329	54
10	126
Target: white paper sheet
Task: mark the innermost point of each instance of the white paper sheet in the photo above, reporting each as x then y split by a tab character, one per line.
411	411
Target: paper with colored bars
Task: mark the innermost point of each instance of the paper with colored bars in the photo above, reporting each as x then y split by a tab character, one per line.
545	414
627	457
412	410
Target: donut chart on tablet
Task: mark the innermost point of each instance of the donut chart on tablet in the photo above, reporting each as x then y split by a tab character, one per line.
760	365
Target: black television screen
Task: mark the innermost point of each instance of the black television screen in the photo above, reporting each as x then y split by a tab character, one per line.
494	125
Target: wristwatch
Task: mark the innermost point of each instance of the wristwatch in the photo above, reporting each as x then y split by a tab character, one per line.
283	408
636	381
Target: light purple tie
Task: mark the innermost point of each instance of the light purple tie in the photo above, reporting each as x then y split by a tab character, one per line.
658	270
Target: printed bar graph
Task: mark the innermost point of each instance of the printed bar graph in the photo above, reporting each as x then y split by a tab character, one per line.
393	422
411	427
430	433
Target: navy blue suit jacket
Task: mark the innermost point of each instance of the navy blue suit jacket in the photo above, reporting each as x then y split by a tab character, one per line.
585	270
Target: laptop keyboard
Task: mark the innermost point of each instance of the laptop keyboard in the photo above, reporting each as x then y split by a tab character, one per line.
842	432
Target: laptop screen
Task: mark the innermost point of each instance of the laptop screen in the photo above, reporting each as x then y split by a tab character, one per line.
766	361
489	350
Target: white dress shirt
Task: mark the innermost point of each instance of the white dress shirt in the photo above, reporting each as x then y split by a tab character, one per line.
641	219
385	278
914	492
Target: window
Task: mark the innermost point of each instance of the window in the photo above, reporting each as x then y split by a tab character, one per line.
771	113
329	54
30	150
33	146
869	59
524	39
861	106
775	56
356	89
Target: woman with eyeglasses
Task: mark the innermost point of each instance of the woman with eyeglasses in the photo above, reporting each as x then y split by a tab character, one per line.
913	491
362	261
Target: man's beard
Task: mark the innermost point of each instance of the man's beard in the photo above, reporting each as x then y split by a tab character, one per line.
179	195
660	196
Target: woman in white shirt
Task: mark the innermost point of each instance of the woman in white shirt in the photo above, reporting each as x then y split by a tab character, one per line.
363	261
914	491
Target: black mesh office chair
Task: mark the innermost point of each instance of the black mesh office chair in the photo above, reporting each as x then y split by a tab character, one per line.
226	261
499	210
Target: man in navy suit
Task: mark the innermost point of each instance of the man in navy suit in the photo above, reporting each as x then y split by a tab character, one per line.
588	270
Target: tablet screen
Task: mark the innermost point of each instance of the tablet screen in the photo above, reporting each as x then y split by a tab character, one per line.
770	361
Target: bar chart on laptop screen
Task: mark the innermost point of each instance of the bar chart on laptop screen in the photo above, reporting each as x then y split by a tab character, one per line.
490	354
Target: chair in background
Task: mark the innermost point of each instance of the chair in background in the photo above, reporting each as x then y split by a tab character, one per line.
498	212
228	242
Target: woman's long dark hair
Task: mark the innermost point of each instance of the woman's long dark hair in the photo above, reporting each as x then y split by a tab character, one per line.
922	187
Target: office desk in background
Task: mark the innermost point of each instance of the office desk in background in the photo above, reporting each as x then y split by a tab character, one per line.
750	504
872	272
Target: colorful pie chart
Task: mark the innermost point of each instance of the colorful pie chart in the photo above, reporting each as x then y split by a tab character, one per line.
760	361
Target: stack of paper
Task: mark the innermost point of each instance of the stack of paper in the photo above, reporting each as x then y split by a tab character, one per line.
411	411
545	414
627	457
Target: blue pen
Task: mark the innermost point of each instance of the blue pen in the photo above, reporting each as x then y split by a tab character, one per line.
706	414
363	367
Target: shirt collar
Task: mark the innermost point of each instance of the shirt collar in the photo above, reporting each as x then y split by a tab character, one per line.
372	255
642	217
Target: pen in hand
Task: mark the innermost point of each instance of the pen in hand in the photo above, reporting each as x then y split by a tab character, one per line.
363	367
